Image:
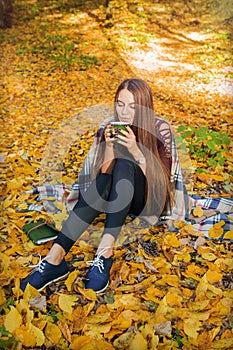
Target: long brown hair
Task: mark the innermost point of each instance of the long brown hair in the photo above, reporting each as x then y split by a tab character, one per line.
147	137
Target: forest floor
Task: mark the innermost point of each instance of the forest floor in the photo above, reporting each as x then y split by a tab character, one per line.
63	58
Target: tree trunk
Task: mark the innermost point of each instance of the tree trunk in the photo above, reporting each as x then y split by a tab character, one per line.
6	10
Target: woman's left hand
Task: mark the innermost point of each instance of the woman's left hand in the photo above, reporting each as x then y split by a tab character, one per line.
128	139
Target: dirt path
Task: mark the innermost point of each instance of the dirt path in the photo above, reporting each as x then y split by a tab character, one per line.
190	58
187	53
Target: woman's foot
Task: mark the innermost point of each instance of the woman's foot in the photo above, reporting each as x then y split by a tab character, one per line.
99	273
51	269
44	274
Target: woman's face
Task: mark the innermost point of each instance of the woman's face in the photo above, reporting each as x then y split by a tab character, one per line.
125	106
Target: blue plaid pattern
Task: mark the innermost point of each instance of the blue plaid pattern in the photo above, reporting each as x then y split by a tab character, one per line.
216	210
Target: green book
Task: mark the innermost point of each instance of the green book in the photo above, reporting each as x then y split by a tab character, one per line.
40	232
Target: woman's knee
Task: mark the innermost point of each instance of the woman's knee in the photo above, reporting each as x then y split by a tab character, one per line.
123	168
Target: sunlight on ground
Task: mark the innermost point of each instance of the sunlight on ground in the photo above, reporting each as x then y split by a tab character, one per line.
159	57
198	36
72	19
170	64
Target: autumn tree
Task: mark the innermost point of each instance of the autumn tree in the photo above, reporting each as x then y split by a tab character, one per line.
6	10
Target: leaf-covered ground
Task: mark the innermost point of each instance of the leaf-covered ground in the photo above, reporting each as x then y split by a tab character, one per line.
167	291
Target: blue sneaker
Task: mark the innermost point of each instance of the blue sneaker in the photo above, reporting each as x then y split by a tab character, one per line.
99	273
44	274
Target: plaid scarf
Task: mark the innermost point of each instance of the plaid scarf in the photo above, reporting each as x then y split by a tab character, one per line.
184	203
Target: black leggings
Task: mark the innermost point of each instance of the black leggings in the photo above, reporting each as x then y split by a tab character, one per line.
118	194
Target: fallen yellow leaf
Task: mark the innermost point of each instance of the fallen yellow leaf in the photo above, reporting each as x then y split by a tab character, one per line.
149	334
30	292
173	297
82	342
202	285
138	342
88	294
103	345
65	330
23	206
179	224
219	224
66	302
209	256
213	276
100	318
8	202
162	308
121	322
71	279
53	333
24	309
215	232
172	241
24	335
203	177
198	211
228	235
217	177
191	327
38	335
199	305
13	319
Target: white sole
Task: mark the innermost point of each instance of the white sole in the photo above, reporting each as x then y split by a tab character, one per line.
103	289
55	280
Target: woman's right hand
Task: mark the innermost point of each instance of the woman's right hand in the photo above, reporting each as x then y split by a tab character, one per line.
108	136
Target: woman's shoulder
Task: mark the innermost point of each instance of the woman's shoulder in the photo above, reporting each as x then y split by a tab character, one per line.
162	126
159	121
164	134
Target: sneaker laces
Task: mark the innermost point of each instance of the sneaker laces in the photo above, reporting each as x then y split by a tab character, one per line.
40	265
97	262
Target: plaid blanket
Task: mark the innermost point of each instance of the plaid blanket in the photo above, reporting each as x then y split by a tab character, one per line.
182	209
215	210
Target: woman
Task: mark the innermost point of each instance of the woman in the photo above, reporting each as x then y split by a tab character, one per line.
130	173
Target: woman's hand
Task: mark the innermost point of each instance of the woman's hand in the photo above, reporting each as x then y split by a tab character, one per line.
128	139
108	136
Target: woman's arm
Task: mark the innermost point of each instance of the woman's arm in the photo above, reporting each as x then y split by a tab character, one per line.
139	158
